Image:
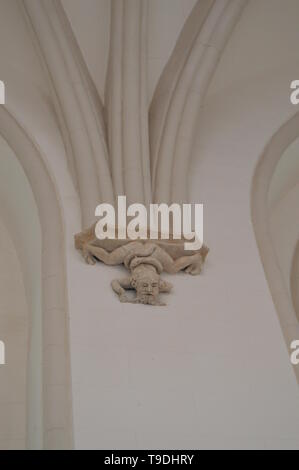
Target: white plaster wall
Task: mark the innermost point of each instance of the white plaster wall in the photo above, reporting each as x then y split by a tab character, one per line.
258	45
238	119
211	370
14	333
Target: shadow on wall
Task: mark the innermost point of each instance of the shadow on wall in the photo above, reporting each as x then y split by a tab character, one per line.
265	170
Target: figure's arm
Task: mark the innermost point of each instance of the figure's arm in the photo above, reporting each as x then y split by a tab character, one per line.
119	286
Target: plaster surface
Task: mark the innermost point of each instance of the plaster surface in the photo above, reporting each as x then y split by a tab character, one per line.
216	374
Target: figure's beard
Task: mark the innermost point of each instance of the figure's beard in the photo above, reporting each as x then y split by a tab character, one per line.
147	299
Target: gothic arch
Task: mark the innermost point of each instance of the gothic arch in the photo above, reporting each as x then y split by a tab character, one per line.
180	92
78	107
57	414
264	172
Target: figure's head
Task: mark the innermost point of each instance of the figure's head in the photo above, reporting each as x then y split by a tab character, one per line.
146	281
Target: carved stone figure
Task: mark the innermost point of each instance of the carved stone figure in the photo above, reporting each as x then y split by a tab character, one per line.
145	260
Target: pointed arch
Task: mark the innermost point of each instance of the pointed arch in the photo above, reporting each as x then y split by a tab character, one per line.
180	91
57	404
264	172
77	103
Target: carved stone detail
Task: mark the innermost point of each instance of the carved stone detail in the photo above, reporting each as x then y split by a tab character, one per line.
145	261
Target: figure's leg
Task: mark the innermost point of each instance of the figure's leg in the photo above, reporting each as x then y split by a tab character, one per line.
192	264
174	266
91	253
196	267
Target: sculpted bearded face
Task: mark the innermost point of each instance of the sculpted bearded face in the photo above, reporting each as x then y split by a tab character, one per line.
146	282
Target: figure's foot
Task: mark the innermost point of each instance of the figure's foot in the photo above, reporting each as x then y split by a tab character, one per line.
194	269
89	258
